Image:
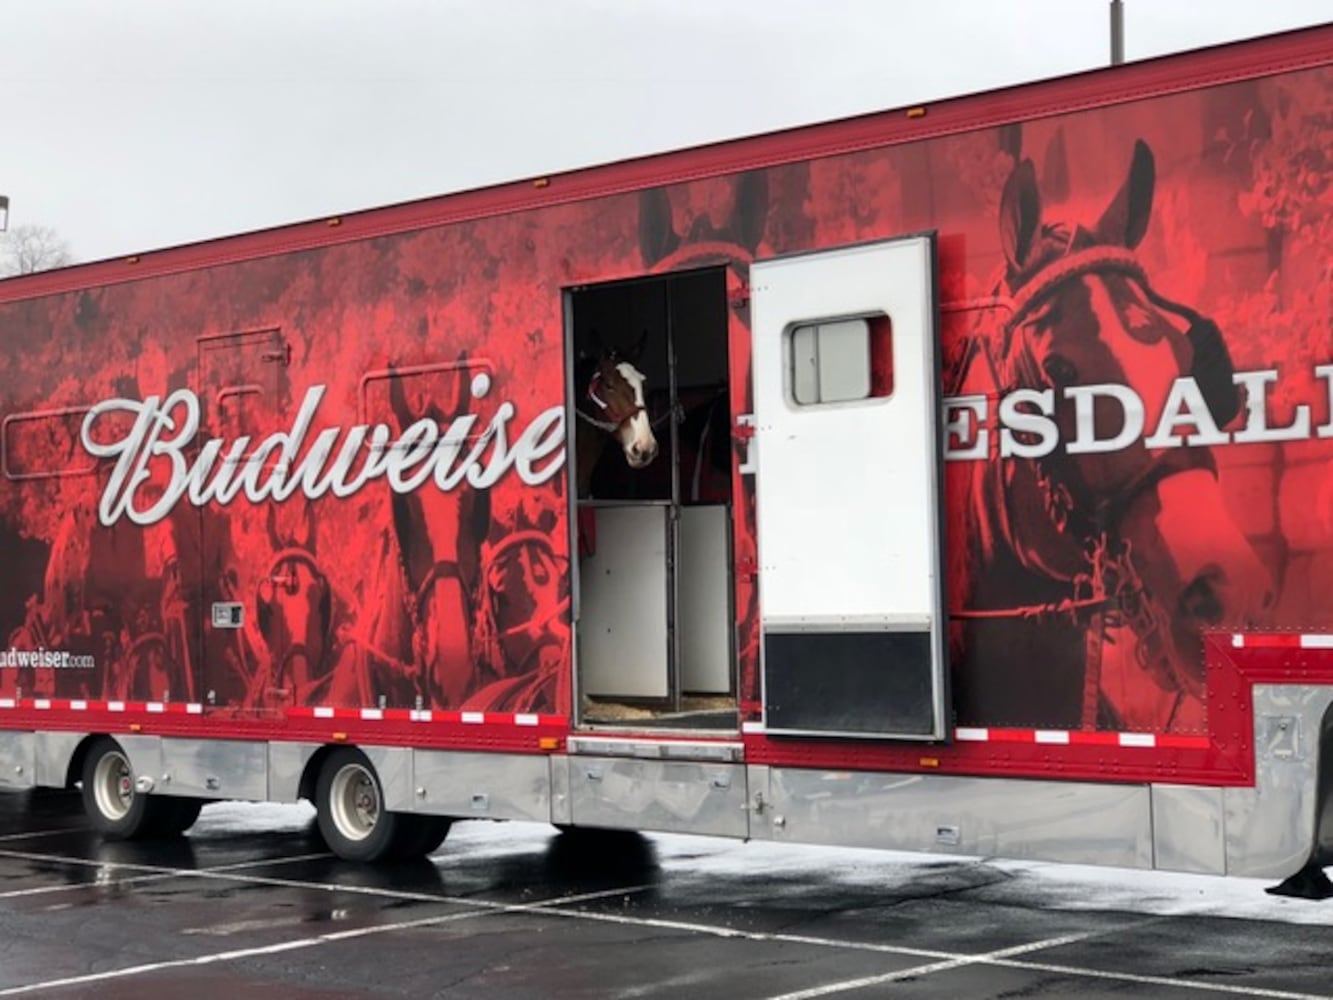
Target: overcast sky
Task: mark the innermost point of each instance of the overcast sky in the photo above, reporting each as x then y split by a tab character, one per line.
137	124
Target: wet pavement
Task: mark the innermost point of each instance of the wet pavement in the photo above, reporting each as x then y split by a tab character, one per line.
251	904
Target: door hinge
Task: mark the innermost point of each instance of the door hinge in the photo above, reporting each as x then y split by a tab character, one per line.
743	433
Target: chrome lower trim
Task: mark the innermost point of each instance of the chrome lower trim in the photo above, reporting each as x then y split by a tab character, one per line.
286	766
1062	821
18	760
1188	829
1270	828
650	749
393	765
55	752
212	769
664	796
562	812
481	785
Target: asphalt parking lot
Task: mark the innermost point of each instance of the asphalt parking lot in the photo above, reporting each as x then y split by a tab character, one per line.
251	904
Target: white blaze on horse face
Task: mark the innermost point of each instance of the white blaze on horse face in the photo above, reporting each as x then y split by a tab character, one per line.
636	434
1152	367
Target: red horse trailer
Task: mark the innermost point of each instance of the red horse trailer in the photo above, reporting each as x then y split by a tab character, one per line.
953	478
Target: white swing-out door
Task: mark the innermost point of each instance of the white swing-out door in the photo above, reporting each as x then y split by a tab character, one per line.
849	486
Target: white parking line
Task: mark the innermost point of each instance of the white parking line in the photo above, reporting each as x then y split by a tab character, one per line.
958	961
1186	984
310	942
1006	957
41	833
157	876
943	960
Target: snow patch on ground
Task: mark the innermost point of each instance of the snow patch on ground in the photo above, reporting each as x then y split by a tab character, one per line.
1031	884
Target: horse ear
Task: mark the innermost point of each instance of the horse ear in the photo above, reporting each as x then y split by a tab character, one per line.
1055	168
600	348
636	352
1125	220
1020	214
751	211
657	236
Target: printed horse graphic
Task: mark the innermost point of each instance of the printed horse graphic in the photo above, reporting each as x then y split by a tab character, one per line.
1059	551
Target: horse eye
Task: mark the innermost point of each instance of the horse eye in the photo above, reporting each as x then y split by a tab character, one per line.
1059	370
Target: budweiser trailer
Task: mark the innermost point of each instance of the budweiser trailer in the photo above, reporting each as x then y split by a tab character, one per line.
955	478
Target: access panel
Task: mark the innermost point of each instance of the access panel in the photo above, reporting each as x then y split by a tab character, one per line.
849	480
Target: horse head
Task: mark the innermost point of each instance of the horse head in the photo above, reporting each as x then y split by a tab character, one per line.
439	534
613	400
1085	314
294	604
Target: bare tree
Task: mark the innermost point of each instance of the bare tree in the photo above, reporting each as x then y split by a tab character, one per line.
28	248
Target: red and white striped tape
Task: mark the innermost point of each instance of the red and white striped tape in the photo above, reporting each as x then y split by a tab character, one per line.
1282	640
318	712
424	715
1059	737
82	705
1079	737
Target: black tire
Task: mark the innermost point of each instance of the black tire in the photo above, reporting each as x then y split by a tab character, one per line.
420	835
180	815
349	803
113	806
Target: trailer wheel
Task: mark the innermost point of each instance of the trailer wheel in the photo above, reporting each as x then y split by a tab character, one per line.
420	835
181	816
349	803
112	805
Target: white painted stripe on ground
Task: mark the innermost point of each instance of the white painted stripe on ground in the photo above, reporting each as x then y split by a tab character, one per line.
730	932
41	833
1184	984
551	907
958	961
480	909
46	890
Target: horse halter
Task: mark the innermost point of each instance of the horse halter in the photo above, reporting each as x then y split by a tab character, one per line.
1210	364
1111	585
618	412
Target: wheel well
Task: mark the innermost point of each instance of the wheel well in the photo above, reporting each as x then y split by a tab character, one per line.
1323	833
74	773
310	776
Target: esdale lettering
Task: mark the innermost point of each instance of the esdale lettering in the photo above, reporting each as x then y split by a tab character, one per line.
1026	419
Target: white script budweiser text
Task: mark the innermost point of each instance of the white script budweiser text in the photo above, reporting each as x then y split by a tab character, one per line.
339	460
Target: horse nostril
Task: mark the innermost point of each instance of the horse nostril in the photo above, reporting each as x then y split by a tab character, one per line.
1201	600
